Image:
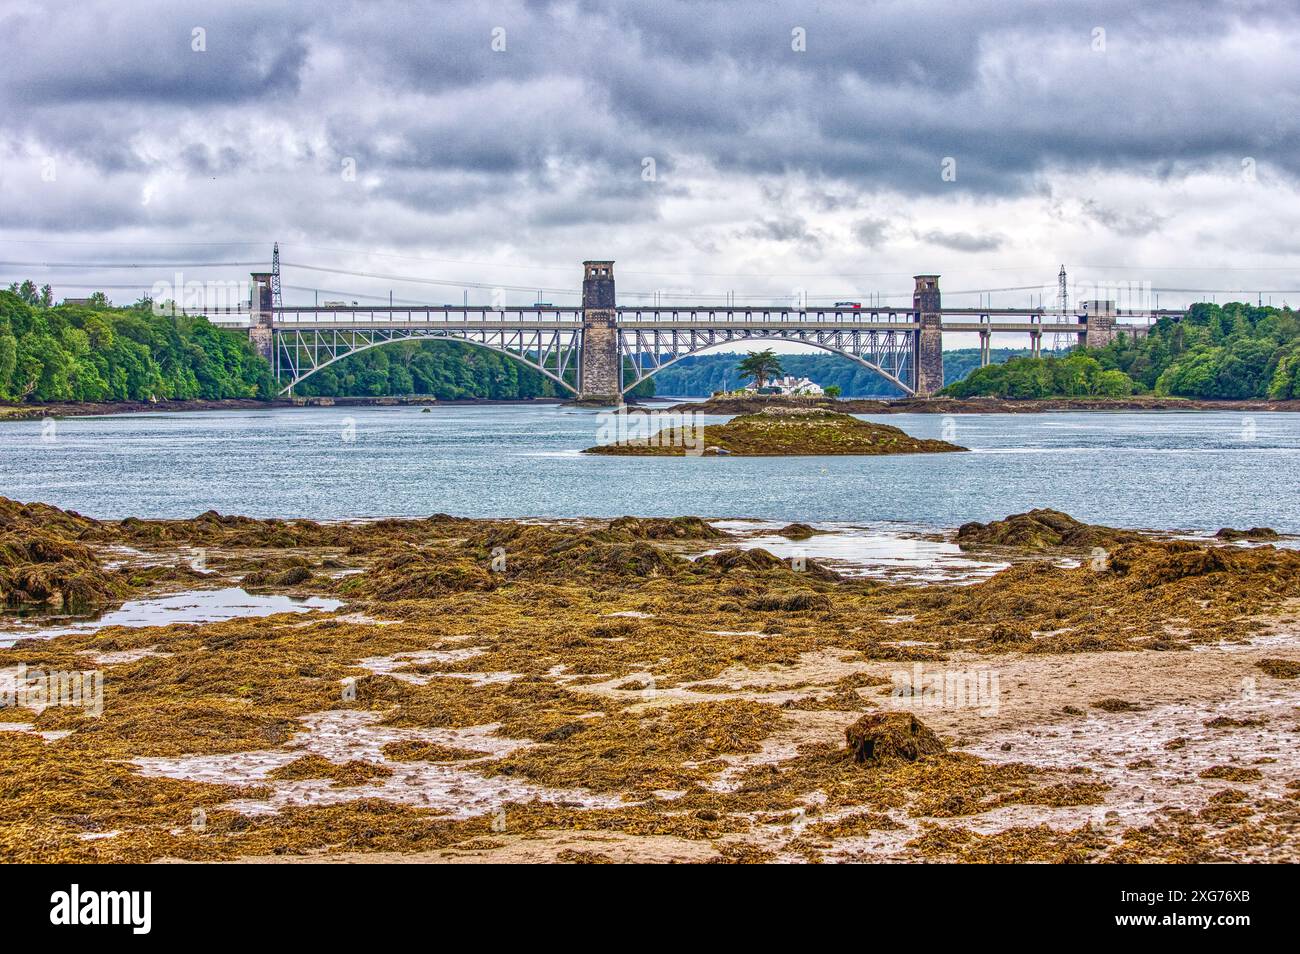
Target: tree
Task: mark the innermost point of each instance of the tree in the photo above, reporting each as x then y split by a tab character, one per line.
1113	384
760	365
78	353
833	391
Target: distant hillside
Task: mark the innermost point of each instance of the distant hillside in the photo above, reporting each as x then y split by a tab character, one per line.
1236	351
701	375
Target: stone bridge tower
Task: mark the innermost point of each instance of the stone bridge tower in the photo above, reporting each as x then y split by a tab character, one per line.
1099	324
260	316
600	372
929	340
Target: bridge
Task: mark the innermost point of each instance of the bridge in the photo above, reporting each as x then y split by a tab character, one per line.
598	351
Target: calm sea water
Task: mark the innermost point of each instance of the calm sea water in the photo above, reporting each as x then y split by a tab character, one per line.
1194	470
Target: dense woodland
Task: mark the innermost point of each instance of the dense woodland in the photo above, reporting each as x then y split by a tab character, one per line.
98	352
1228	351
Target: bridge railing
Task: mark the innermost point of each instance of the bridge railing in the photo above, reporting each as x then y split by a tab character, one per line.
457	315
704	315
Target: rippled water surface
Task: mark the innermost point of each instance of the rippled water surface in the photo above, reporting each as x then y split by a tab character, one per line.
1192	470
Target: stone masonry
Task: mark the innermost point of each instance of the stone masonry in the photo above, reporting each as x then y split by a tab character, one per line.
260	316
600	375
929	343
1100	328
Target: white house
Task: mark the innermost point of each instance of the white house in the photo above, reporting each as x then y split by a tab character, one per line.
794	386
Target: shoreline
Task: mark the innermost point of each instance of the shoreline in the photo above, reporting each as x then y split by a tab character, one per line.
24	412
680	695
942	405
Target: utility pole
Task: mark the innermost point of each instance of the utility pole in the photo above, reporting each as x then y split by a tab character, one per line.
275	276
1063	304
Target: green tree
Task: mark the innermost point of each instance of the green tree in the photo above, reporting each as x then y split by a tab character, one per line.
760	366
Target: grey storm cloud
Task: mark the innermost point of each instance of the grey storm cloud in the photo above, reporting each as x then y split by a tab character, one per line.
435	121
963	241
871	232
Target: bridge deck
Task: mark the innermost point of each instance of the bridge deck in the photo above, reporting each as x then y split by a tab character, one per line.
460	317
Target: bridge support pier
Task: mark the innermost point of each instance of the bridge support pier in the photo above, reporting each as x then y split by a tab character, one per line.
260	317
929	341
986	348
1035	344
1100	328
600	369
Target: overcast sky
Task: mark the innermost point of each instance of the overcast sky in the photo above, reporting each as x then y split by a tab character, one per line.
707	147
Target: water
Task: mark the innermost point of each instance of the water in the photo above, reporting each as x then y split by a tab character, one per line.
197	606
864	551
1185	470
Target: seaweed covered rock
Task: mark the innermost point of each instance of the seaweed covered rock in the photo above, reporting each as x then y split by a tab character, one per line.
413	574
1254	533
781	432
45	519
534	552
1041	529
1269	569
782	601
798	531
46	569
882	736
292	571
666	528
756	559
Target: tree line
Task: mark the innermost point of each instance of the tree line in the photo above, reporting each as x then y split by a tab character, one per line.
96	352
1232	351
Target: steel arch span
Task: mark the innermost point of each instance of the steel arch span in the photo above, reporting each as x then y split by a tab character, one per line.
301	353
890	353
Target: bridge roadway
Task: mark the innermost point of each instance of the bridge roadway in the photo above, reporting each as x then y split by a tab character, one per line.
995	320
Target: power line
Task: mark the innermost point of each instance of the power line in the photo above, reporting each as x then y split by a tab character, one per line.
132	264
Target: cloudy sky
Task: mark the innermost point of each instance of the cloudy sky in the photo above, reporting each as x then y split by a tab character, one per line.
708	147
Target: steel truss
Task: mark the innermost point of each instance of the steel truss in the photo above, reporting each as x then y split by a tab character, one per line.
300	353
891	352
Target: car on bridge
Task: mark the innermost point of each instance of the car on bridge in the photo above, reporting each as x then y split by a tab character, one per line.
848	304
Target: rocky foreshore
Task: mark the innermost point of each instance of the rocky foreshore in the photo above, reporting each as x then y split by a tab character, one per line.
779	432
29	412
650	689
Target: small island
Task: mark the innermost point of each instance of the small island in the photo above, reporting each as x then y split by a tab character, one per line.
780	432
